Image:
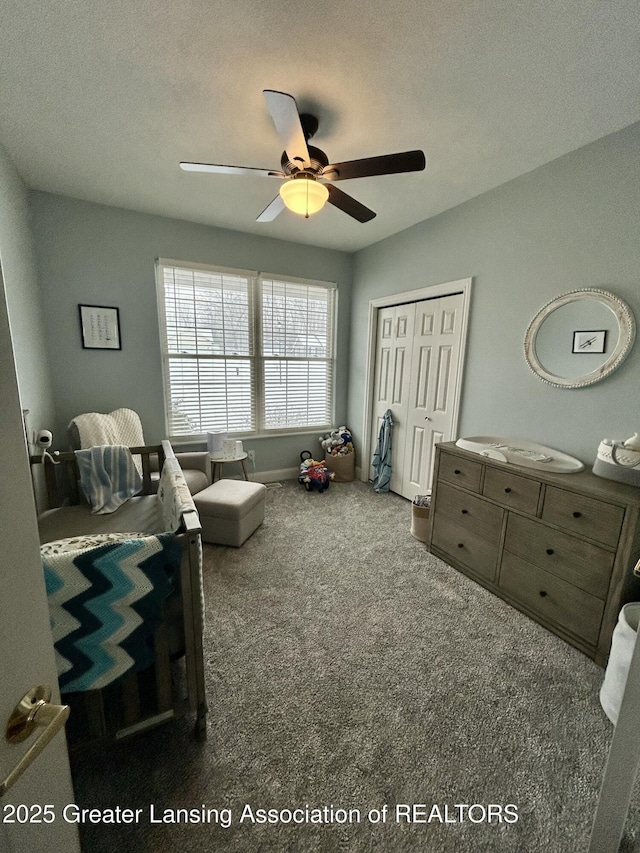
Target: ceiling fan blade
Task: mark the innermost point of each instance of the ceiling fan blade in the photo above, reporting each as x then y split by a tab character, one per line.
286	118
387	164
271	210
230	170
349	205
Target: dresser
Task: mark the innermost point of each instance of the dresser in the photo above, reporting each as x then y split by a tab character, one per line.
559	547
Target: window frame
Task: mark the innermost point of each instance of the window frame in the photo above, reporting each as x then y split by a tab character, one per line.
257	357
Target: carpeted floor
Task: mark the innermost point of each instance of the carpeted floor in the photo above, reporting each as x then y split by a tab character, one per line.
351	672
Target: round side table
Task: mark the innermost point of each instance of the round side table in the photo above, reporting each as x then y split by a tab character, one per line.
219	463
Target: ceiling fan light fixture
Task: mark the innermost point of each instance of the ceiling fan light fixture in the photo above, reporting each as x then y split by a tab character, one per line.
304	195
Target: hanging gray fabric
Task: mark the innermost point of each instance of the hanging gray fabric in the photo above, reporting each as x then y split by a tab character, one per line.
381	461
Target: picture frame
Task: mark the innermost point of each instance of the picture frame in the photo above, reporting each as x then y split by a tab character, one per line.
100	327
589	341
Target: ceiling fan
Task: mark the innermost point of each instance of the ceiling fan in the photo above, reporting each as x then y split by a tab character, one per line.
308	177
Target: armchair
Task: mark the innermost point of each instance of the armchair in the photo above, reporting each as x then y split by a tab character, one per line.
123	426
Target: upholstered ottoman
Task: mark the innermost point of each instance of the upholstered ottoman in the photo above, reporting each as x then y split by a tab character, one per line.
230	511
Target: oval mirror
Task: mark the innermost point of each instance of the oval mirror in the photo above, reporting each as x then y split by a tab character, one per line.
579	338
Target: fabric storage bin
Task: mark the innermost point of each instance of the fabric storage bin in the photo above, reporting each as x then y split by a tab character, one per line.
420	522
343	466
622	646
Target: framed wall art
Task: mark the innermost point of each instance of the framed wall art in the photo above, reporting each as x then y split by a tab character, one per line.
100	327
589	341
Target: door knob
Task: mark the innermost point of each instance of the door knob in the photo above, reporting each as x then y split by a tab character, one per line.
33	711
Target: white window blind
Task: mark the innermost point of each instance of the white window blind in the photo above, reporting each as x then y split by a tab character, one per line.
297	349
244	353
208	345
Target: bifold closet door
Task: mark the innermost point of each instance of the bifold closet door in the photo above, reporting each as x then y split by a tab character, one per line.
393	356
417	363
432	386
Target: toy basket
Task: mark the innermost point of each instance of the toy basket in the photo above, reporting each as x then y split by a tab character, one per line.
339	454
343	466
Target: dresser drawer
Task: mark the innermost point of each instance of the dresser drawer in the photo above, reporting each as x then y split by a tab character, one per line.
587	516
578	563
552	598
469	512
462	472
511	490
466	547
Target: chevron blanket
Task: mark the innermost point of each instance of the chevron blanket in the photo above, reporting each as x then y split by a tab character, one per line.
105	603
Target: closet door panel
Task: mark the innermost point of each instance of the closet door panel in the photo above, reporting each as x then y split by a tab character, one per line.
399	376
442	385
421	385
394	349
383	377
417	364
403	344
417	454
435	362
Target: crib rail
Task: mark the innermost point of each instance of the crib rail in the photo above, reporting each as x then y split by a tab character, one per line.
62	475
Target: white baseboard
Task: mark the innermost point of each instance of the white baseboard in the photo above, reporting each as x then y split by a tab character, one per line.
274	476
284	474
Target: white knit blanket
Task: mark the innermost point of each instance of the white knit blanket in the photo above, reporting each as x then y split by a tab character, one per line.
108	477
121	426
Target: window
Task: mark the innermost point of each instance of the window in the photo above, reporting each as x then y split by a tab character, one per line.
244	352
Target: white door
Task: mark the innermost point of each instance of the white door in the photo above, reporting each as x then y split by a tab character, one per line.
418	358
391	383
26	650
431	398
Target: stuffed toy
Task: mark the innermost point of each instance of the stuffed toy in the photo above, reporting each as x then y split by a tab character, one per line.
313	474
338	442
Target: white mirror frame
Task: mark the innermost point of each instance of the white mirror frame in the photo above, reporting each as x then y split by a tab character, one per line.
626	337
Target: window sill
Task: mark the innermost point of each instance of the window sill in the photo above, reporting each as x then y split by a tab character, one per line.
193	440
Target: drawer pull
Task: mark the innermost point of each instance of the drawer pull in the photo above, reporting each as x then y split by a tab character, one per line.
508	489
550	551
464	511
457	471
460	544
577	514
542	593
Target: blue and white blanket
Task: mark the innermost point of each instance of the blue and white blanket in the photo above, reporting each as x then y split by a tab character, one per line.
105	604
108	477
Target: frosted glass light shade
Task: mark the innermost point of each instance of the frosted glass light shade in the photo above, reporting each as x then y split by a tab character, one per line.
304	195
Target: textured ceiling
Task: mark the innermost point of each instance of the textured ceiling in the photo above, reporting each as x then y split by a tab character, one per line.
101	100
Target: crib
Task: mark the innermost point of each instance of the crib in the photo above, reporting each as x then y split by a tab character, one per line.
166	679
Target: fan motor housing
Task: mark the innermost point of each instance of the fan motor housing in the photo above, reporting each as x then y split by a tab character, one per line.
318	161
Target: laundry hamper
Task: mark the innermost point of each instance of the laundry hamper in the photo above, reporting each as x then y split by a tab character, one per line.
622	645
420	518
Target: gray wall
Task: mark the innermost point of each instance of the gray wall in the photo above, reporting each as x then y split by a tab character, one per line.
94	254
573	223
23	297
